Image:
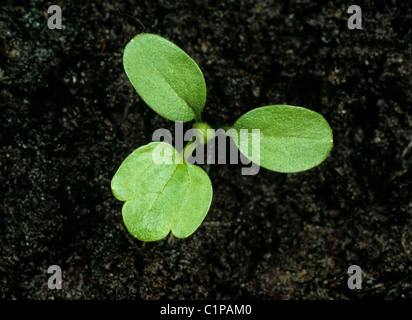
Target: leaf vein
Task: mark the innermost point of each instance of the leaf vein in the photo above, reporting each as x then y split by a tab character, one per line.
167	82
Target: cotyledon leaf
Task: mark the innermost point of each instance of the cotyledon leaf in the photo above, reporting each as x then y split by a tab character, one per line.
292	139
165	77
161	197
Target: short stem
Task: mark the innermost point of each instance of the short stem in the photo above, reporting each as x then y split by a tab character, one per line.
198	117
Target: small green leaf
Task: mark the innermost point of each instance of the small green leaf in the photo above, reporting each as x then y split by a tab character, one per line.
292	139
161	197
166	78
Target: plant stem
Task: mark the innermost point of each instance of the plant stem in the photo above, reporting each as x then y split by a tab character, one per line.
198	117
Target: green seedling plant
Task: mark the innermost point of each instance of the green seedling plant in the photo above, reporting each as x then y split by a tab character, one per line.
174	195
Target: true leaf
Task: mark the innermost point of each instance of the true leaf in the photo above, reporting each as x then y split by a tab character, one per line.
161	197
292	139
165	77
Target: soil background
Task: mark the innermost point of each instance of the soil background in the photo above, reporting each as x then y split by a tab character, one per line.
69	116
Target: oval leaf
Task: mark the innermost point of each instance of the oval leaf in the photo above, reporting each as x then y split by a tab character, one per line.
165	77
292	139
161	197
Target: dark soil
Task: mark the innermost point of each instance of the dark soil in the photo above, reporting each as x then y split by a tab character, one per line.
69	116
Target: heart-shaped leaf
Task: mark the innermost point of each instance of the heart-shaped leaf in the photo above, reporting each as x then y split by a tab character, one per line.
166	78
162	193
292	139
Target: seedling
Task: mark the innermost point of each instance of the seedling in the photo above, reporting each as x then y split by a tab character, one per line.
162	191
